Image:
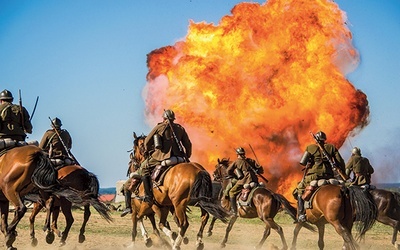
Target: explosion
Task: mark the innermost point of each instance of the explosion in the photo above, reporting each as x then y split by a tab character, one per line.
265	76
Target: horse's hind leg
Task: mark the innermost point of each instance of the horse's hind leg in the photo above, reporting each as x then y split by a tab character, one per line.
321	232
86	216
20	210
295	235
270	223
349	242
35	211
211	227
204	220
228	229
180	213
66	207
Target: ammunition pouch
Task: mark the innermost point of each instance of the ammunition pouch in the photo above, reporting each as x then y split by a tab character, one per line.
157	141
239	173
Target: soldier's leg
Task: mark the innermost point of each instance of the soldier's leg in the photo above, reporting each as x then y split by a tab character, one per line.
301	212
128	195
235	190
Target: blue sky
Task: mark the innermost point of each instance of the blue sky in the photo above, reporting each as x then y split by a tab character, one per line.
87	62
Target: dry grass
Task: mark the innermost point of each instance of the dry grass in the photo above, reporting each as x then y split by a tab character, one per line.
245	234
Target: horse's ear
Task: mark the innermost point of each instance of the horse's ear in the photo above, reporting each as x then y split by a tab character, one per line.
134	135
219	162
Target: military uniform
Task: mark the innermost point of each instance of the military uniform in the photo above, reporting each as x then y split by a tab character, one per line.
12	125
245	165
169	146
52	144
362	170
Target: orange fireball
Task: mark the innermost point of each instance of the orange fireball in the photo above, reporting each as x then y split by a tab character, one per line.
266	75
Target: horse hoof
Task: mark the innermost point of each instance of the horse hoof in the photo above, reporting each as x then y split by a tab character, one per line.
50	238
34	242
62	243
174	235
149	243
209	234
82	238
185	240
200	246
11	248
222	245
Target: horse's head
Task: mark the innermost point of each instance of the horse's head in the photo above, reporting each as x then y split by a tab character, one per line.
138	150
220	169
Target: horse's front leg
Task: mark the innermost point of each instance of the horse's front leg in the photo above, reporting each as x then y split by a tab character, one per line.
228	229
295	235
47	223
66	208
11	234
321	233
35	211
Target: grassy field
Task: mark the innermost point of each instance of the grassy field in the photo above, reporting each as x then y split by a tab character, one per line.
245	234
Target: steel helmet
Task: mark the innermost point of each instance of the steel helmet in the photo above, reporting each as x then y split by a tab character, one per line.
240	151
321	136
57	123
356	151
6	95
169	114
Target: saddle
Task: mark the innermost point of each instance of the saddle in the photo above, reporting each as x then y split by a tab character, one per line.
7	144
159	171
246	196
313	189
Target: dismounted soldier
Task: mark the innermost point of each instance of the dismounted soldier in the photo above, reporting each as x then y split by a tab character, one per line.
163	148
244	170
15	120
318	168
52	144
361	168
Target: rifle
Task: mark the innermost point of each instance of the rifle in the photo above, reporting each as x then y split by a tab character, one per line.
255	171
338	173
34	108
176	140
21	110
70	155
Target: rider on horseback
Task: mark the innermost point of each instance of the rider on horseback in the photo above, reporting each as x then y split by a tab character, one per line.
361	167
244	169
318	168
14	119
53	145
163	146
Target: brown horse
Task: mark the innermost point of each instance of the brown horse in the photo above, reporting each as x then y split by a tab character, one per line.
265	204
340	207
174	196
388	205
86	185
23	169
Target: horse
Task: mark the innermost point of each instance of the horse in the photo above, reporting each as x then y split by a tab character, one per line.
24	169
340	207
86	185
183	184
388	205
265	204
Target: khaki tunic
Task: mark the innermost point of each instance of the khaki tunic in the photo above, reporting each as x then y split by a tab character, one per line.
246	165
169	146
321	169
362	170
11	125
50	140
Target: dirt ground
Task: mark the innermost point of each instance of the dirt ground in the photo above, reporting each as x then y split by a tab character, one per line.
245	234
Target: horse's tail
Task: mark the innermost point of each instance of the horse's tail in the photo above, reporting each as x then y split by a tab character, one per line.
287	206
202	193
44	176
94	201
364	210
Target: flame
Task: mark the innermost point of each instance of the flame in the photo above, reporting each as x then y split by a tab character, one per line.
265	76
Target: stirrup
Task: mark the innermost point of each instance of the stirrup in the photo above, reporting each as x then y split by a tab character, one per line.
302	218
126	211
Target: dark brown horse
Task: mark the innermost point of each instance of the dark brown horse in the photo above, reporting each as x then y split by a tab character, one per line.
340	207
388	205
22	170
86	185
265	204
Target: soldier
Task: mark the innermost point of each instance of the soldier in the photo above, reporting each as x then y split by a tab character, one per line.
244	170
318	168
53	145
164	146
14	119
361	168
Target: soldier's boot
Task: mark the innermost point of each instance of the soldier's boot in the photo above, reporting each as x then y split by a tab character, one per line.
301	212
128	206
233	206
148	189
